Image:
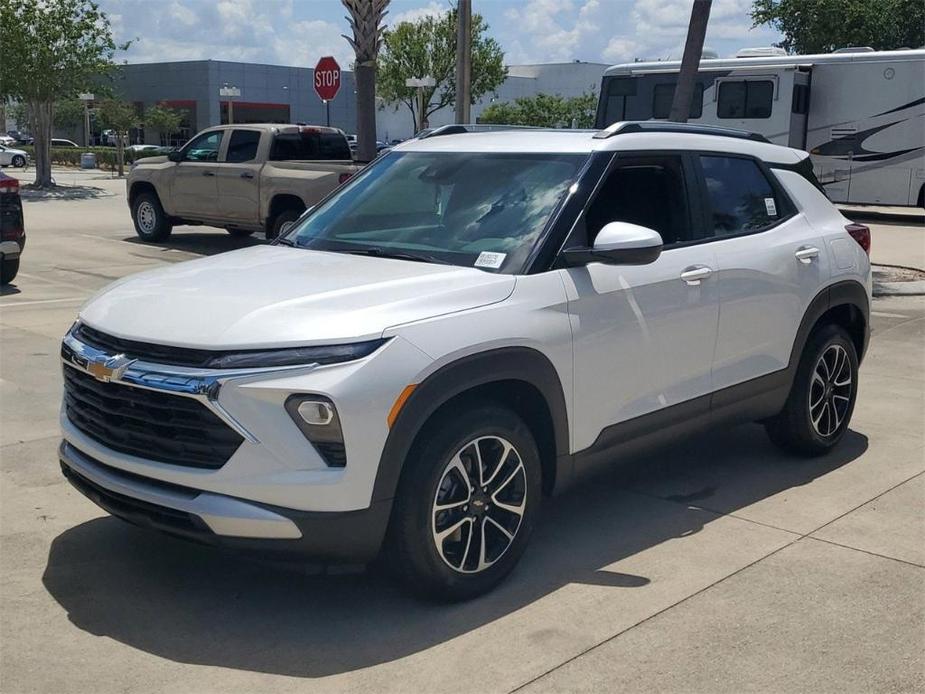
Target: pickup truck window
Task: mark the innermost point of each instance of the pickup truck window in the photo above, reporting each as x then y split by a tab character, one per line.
204	147
242	146
310	144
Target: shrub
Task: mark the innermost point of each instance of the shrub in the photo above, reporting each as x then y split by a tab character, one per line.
105	156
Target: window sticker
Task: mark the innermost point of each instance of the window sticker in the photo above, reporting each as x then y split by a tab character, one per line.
771	207
489	259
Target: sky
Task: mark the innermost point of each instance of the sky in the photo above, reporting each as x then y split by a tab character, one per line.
298	32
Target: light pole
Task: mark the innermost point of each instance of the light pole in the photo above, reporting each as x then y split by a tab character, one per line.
228	92
86	97
420	83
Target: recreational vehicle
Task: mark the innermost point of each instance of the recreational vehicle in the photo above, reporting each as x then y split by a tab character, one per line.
859	113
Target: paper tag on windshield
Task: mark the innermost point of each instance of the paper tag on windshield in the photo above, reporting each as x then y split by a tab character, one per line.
492	260
770	207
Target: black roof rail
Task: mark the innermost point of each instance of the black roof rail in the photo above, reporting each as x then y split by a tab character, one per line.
651	126
459	128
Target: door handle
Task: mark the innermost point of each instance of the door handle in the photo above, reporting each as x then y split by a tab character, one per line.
247	174
208	173
805	254
694	274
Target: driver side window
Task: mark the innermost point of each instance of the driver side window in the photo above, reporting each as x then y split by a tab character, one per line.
204	147
644	190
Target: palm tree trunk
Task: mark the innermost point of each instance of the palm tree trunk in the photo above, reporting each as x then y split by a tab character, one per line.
366	112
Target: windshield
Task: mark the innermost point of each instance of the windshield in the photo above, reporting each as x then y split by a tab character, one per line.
472	209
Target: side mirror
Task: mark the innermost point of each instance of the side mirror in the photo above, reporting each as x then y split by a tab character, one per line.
176	155
618	243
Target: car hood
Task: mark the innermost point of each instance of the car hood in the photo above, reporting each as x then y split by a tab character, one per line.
275	296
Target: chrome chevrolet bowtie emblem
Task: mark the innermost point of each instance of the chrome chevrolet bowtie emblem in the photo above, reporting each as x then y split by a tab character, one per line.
111	369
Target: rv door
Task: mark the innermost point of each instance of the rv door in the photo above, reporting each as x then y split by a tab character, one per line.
799	108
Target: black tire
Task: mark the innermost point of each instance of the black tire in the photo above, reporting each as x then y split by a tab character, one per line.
8	270
239	233
819	398
412	546
19	161
151	222
284	218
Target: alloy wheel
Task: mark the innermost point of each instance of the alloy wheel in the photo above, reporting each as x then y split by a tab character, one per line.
479	504
830	390
147	217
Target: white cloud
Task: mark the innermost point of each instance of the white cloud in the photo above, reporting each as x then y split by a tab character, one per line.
431	9
552	30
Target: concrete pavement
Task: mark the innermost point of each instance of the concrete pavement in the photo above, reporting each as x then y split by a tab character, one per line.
716	564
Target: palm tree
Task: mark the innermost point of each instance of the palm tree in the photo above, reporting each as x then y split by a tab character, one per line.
366	22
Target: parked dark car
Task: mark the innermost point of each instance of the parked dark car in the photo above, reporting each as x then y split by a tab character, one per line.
12	229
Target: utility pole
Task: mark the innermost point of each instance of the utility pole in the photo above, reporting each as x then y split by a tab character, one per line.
463	59
693	48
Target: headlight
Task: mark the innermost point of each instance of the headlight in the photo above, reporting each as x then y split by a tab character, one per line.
329	354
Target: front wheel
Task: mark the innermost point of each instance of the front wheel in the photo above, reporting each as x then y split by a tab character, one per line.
151	222
467	503
821	401
19	161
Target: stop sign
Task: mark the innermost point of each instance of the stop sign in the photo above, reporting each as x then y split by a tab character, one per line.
327	78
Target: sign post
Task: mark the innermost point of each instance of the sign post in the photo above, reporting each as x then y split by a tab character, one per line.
327	82
86	97
228	92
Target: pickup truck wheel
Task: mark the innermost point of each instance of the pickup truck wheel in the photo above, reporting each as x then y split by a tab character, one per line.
284	221
467	503
8	270
151	222
239	233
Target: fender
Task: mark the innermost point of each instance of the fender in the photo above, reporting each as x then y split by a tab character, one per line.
845	293
504	364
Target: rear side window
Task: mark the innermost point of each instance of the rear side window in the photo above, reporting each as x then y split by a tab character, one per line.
310	144
745	99
663	95
739	196
242	146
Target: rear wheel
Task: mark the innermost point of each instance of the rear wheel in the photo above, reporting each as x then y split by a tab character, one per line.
467	504
8	270
283	222
151	222
19	161
821	401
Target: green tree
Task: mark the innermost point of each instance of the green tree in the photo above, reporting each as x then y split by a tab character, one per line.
544	111
165	120
121	117
52	50
69	113
427	48
821	26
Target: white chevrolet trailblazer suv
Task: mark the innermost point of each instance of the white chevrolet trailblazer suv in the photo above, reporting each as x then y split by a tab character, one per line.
464	328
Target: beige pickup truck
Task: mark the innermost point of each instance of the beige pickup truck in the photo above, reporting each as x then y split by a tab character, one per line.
245	178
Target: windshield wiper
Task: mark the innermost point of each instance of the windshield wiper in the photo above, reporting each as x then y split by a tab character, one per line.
398	255
282	241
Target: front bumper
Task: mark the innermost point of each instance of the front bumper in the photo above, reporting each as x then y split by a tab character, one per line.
218	520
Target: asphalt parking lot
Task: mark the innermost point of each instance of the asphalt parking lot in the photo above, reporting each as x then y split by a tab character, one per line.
717	564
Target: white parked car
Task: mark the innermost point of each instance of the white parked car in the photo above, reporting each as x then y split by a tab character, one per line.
13	157
468	325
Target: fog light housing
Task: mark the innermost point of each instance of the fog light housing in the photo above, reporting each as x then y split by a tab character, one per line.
317	419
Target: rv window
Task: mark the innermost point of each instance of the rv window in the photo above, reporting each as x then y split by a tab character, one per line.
663	95
739	196
746	99
617	89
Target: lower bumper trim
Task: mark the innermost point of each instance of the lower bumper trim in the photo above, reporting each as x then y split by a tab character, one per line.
214	519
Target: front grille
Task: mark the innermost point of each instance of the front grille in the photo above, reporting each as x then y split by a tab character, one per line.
147	351
156	426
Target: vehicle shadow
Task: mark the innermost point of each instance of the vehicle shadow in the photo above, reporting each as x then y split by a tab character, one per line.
9	290
62	192
202	606
210	242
